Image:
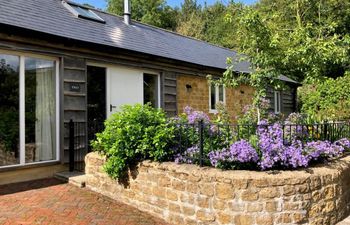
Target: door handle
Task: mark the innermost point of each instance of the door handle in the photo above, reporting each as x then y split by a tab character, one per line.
111	107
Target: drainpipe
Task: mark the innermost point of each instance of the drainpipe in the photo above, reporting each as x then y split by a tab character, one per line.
127	12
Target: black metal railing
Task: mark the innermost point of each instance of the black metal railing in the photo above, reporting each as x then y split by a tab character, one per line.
77	138
207	137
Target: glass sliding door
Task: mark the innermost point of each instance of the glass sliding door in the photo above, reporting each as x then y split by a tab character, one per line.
40	110
28	109
9	110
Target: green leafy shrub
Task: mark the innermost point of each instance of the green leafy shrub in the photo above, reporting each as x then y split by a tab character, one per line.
327	100
136	133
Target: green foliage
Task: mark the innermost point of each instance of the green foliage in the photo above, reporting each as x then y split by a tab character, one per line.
152	12
251	113
309	36
9	129
208	23
220	132
134	134
294	38
327	100
9	108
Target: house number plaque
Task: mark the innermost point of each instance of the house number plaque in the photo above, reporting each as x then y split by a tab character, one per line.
75	87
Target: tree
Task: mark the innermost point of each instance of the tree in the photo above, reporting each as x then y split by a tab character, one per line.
208	23
313	35
257	43
304	44
152	12
190	21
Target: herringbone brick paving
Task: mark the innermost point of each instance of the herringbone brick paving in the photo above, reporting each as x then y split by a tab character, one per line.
49	201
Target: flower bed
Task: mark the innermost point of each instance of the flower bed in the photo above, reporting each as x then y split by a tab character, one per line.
258	147
142	132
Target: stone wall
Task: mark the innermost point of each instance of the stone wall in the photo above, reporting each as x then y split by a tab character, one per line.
198	96
188	194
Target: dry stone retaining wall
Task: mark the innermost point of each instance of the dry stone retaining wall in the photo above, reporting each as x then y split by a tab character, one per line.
188	194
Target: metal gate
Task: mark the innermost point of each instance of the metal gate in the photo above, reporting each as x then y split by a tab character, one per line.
80	135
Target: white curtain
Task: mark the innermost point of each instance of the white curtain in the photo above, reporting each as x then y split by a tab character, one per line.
45	110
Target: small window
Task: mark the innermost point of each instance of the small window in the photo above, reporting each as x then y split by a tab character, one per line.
216	95
82	12
277	102
151	90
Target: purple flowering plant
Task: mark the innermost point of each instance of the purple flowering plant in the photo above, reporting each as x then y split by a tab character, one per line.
191	123
240	155
190	156
268	147
344	142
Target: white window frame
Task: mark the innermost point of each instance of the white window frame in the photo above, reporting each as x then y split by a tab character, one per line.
217	99
277	101
22	57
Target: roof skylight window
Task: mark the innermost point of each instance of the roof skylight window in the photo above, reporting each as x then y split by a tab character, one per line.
82	12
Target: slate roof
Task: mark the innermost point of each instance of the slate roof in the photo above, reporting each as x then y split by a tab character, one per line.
287	79
51	17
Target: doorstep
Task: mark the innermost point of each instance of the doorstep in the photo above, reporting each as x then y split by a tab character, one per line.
75	178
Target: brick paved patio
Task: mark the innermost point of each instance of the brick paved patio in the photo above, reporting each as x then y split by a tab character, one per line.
50	201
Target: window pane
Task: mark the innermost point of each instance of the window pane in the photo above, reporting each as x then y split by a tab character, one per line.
9	110
86	12
212	96
40	110
150	89
279	101
221	93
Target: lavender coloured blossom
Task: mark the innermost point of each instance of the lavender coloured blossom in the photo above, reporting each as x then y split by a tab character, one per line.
294	156
318	149
274	151
270	144
240	151
188	110
188	156
344	142
196	116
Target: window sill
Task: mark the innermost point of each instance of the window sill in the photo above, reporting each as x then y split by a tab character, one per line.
28	166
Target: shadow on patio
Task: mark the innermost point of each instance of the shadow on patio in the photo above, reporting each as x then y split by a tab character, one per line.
28	185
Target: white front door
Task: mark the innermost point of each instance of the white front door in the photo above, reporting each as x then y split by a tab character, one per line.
124	86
